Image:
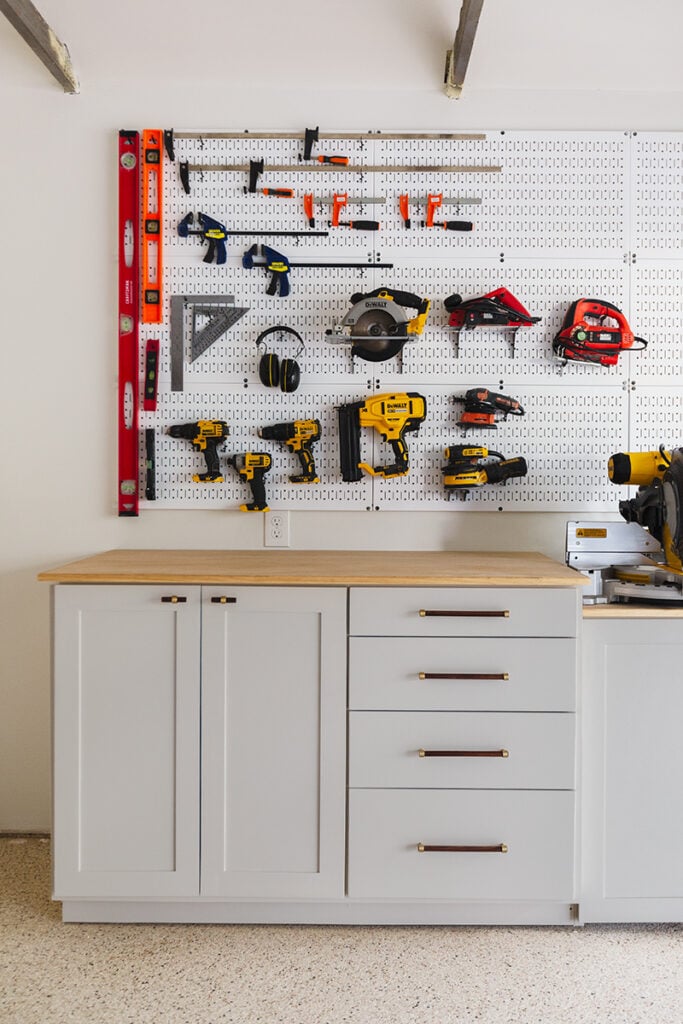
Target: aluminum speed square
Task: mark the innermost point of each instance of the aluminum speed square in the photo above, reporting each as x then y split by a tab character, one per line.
222	314
209	323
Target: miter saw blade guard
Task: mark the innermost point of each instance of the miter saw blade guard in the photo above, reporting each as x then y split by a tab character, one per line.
377	326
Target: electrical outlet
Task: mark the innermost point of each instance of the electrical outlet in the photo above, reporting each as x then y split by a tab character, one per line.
276	529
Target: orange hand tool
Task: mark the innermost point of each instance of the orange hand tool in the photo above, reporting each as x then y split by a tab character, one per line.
404	207
333	160
338	203
308	209
433	203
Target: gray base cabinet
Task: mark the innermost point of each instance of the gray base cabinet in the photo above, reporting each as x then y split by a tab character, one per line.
632	770
315	754
138	671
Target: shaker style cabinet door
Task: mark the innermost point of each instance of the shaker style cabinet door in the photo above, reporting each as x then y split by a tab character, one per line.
632	767
273	742
126	741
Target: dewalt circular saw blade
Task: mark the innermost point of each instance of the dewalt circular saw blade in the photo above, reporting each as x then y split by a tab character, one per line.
375	327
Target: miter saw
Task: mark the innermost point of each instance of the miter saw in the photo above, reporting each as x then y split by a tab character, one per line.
642	558
377	327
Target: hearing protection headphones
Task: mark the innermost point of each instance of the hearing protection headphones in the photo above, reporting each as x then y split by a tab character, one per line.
274	371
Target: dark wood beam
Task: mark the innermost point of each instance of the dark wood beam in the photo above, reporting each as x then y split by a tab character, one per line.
34	30
458	58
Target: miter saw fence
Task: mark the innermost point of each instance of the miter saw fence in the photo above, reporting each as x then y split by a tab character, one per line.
377	327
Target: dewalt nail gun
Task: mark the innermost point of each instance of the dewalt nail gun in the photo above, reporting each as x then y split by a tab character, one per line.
252	467
468	467
299	436
391	415
205	436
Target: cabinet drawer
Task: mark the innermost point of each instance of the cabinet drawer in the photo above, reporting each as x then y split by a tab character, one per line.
462	611
462	674
489	751
386	826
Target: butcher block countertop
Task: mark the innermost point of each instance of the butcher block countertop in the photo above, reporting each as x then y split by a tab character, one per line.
320	568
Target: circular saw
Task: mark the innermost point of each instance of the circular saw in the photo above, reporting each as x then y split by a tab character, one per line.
377	326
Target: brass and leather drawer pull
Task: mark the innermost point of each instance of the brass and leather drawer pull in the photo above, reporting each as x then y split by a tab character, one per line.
424	612
463	753
463	675
174	599
423	848
223	600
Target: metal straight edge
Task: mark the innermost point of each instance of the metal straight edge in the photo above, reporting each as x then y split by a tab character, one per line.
347	168
339	136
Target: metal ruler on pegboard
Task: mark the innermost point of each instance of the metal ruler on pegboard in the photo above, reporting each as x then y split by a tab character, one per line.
556	216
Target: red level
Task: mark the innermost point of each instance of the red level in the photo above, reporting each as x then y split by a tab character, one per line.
129	300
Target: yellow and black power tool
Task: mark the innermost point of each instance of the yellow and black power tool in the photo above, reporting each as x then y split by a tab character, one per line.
299	436
392	416
469	466
205	436
252	467
658	503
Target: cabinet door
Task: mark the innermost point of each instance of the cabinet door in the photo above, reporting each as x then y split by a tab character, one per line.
273	741
126	741
632	770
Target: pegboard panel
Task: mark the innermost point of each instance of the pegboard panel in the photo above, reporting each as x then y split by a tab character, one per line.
245	411
657	315
657	194
656	415
557	194
568	215
566	471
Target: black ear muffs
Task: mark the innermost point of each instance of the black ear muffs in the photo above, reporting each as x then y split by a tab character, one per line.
290	375
272	370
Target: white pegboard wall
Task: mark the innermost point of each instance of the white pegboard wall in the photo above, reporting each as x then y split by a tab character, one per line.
569	215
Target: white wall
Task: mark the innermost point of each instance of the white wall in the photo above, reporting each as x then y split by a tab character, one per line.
353	64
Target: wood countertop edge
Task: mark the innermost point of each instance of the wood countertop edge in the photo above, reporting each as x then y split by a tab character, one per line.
632	611
334	568
347	580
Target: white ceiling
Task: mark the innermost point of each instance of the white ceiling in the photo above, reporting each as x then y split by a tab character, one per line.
392	45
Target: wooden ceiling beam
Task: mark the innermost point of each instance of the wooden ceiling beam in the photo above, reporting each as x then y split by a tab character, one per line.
34	30
458	58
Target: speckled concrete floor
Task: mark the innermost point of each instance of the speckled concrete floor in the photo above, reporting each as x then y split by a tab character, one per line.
219	974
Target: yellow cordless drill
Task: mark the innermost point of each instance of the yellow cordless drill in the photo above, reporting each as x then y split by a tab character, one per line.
205	436
391	415
299	436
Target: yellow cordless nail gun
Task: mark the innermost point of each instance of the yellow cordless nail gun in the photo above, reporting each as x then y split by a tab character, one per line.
391	415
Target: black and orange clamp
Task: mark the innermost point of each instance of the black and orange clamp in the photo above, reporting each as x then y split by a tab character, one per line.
311	136
434	201
255	172
339	201
404	208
